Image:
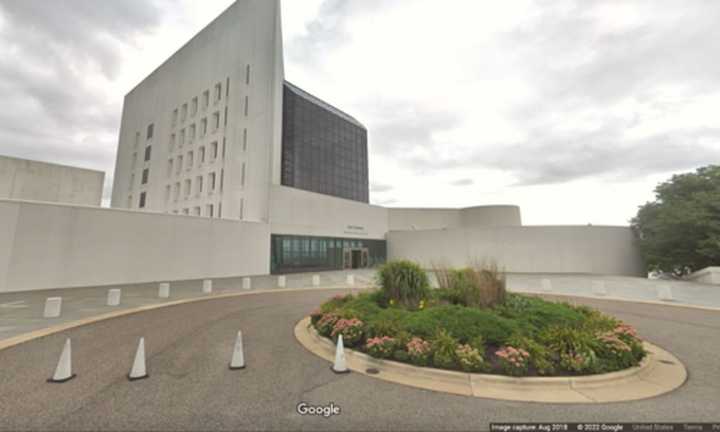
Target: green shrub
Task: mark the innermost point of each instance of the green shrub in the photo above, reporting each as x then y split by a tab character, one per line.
540	356
350	329
470	359
461	322
576	348
419	351
478	342
401	356
326	324
403	283
535	314
513	361
479	286
381	347
443	347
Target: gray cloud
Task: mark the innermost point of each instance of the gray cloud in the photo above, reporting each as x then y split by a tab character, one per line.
50	53
463	182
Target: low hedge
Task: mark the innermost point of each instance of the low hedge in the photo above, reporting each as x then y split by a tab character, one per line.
522	336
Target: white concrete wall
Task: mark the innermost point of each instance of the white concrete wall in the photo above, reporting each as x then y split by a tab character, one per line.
22	179
298	212
409	219
538	249
46	246
710	275
247	34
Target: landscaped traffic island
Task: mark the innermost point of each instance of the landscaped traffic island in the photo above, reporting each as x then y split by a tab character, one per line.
471	324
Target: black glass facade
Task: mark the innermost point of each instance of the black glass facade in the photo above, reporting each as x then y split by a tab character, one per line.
296	254
324	150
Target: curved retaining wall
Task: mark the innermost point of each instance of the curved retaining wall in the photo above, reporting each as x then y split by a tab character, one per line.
532	249
434	219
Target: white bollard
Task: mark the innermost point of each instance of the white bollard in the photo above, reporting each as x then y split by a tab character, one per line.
664	293
238	358
63	371
207	286
113	298
316	280
350	280
247	284
139	370
53	307
546	285
598	288
340	366
164	290
282	281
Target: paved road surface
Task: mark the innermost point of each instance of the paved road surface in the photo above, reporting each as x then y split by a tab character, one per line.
191	388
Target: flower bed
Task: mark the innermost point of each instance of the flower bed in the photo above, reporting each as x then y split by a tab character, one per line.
516	336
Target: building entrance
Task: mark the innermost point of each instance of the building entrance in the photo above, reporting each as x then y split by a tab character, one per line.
356	258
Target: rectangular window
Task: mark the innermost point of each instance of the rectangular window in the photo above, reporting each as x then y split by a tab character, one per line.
183	113
179	165
209	211
148	153
190	160
133	164
201	155
203	127
167	193
247	105
132	181
175	117
226	116
245	140
216	121
218	92
223	148
145	176
211	182
143	199
137	139
171	147
194	107
182	138
196	211
188	188
206	99
176	193
227	89
222	179
213	151
191	134
247	74
170	167
219	210
242	175
198	185
150	131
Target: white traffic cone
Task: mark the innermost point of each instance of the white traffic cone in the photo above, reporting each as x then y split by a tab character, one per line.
340	367
139	370
238	357
63	371
207	286
164	290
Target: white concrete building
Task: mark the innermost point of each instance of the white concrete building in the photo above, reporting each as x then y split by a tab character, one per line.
225	169
22	179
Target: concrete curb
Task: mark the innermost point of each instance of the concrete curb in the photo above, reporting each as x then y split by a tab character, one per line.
27	337
659	373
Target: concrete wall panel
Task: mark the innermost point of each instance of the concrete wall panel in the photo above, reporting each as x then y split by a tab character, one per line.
57	246
581	249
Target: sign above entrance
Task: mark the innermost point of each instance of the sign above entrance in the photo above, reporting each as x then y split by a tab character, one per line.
356	230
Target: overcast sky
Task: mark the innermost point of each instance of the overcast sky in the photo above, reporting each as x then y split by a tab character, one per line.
573	110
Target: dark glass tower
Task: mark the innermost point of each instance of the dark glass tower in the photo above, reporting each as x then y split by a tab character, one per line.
324	150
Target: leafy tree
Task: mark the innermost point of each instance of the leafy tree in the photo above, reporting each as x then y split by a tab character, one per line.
679	232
